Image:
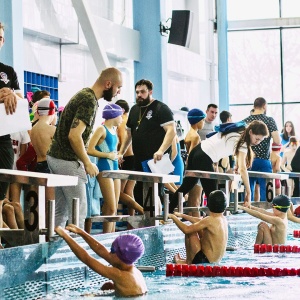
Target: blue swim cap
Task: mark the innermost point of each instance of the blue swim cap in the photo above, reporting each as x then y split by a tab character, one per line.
195	115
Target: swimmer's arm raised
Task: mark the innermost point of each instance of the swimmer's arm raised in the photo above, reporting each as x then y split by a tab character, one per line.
97	247
188	218
264	217
83	255
263	211
186	229
292	218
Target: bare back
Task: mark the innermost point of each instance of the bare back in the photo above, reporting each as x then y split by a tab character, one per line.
214	237
191	140
134	285
41	137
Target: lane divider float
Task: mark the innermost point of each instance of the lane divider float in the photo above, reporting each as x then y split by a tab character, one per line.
224	271
263	248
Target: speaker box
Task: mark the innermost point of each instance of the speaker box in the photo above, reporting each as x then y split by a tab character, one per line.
181	27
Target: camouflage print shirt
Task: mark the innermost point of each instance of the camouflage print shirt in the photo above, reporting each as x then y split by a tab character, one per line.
82	106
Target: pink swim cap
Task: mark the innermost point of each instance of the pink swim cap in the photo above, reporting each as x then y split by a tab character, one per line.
128	247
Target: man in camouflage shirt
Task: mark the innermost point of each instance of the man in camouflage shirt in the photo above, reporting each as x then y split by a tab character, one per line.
67	154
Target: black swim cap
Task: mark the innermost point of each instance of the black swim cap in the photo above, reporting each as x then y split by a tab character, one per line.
217	201
282	203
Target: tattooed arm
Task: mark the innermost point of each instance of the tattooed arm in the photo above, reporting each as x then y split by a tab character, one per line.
77	144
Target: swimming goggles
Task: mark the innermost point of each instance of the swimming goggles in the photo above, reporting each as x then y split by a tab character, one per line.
280	206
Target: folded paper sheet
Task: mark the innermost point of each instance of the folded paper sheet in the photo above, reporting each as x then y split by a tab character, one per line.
163	166
19	121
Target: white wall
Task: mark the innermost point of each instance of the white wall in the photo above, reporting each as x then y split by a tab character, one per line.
191	80
48	23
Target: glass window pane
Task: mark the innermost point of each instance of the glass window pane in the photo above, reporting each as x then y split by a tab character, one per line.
290	8
252	9
291	63
274	110
240	112
292	113
254	66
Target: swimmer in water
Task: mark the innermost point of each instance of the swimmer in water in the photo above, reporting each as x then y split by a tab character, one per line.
126	249
277	232
206	238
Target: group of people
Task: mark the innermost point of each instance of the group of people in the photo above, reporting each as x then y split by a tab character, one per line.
146	131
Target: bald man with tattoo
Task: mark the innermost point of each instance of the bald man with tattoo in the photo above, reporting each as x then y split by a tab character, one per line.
67	154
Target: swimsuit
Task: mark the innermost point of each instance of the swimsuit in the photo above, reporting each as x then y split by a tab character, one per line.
42	167
200	258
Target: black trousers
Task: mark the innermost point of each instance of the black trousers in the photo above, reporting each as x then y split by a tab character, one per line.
197	160
6	162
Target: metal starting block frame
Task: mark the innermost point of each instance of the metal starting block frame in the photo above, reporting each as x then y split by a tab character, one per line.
236	178
270	178
34	203
152	193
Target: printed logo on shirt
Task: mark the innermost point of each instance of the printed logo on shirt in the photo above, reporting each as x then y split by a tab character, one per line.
4	77
149	114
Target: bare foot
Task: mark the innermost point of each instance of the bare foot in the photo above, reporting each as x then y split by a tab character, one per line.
179	260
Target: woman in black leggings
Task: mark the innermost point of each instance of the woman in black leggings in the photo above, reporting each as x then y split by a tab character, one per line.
235	141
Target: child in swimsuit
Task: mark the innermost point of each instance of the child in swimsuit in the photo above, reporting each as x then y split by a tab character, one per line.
126	249
277	232
206	238
103	145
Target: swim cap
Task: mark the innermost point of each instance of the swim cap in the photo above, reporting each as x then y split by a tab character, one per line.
281	202
276	147
128	247
217	201
111	111
195	115
184	108
45	107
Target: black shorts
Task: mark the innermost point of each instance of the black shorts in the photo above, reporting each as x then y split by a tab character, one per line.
128	163
6	162
42	167
200	258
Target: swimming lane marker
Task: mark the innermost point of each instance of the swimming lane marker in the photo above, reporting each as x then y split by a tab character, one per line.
296	233
263	248
223	271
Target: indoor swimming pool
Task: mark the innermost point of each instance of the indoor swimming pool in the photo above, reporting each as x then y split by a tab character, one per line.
61	276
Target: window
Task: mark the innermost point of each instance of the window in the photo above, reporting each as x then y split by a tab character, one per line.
254	66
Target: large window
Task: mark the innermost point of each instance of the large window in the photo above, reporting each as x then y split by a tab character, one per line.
252	9
264	61
254	66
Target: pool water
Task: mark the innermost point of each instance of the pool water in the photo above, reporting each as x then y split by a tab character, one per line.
161	287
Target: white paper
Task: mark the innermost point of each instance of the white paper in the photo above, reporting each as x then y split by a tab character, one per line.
163	166
18	121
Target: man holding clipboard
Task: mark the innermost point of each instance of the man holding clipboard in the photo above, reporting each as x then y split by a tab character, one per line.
150	128
8	85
